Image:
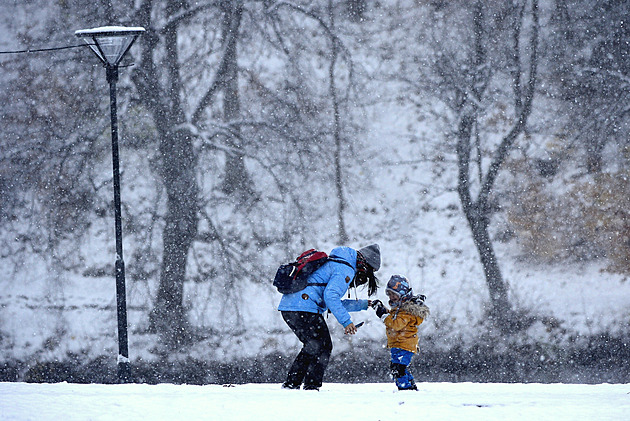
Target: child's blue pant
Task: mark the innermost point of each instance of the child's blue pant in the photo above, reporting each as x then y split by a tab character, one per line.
401	357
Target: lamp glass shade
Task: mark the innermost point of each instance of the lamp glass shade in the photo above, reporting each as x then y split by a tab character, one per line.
114	48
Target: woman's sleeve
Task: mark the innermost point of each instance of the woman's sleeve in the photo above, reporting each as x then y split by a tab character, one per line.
355	305
335	290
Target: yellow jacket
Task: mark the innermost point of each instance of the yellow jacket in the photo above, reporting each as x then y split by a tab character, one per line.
402	325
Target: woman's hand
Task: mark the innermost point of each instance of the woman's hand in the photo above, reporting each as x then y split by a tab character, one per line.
351	329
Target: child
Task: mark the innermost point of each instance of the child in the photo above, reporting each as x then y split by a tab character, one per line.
401	322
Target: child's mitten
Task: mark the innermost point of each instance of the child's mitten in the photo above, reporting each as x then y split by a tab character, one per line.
381	310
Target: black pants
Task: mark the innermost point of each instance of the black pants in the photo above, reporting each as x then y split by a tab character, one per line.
310	364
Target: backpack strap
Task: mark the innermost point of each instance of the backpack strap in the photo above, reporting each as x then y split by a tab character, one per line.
340	261
330	259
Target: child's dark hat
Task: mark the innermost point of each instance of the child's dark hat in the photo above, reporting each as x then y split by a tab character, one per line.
399	285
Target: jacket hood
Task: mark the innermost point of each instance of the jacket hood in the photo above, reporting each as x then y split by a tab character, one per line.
346	254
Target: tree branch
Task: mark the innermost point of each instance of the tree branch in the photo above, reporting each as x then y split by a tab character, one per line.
506	144
219	77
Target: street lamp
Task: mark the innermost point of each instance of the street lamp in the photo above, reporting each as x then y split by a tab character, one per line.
110	44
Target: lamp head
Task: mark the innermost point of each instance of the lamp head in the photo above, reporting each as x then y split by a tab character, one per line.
110	43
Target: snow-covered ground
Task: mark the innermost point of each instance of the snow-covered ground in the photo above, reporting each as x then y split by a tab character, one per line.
335	401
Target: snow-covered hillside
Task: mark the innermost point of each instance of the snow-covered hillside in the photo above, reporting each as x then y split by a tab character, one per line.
411	211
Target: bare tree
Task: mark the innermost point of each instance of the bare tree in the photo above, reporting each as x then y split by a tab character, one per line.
181	121
479	158
590	66
160	89
476	205
335	100
337	128
47	150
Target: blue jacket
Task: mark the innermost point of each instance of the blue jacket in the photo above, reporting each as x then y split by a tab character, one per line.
336	278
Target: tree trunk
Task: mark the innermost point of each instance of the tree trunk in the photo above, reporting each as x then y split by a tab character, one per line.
178	172
236	177
478	216
500	308
341	204
161	95
476	210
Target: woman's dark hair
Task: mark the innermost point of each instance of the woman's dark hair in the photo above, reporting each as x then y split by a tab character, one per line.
365	275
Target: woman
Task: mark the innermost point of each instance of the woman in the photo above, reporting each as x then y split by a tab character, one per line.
303	310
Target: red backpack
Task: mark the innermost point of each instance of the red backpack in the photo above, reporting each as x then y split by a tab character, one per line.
292	277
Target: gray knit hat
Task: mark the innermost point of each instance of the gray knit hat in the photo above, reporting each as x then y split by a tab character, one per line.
372	255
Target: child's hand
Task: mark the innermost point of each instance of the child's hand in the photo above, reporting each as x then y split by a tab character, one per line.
351	329
381	310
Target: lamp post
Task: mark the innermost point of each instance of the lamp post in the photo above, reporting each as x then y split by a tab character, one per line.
110	44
